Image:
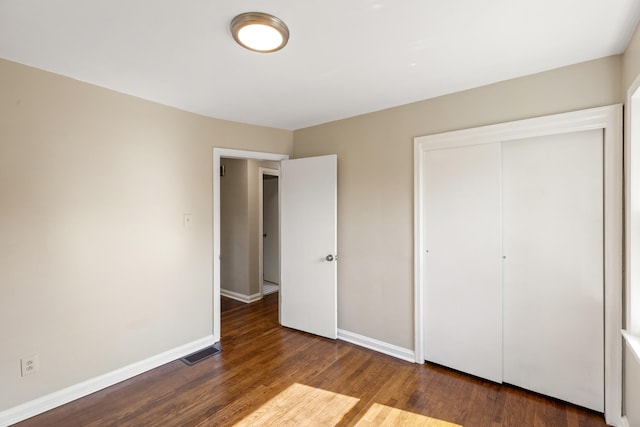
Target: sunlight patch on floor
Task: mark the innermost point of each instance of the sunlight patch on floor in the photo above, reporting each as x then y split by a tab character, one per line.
301	405
381	415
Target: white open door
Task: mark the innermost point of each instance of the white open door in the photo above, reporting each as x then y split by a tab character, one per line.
308	232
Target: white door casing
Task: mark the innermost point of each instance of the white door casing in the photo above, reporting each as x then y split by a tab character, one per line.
608	119
308	245
233	154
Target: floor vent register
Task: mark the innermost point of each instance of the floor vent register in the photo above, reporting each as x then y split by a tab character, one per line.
200	355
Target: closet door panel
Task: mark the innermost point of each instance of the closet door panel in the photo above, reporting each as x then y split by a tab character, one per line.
462	305
553	270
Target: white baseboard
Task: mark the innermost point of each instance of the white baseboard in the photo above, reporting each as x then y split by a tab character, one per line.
240	297
376	345
76	391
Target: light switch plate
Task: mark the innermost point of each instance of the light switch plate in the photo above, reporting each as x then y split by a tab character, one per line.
187	219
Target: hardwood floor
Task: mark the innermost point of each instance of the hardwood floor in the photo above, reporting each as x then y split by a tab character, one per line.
269	375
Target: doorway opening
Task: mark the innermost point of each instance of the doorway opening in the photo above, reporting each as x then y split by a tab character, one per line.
249	232
269	236
218	155
308	247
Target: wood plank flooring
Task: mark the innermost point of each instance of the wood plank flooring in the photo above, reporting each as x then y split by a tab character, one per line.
269	375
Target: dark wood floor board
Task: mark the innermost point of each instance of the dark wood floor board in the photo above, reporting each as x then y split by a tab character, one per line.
385	394
274	376
237	392
262	362
454	397
353	374
227	304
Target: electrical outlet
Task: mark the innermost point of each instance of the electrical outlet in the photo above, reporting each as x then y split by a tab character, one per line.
30	365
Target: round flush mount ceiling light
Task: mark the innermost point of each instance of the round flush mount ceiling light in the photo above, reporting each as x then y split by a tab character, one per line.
260	32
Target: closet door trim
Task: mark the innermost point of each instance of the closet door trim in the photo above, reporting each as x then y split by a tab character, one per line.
609	119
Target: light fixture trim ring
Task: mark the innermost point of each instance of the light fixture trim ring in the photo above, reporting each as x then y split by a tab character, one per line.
259	18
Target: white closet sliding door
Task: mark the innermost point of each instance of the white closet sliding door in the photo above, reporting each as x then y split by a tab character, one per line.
553	271
462	300
556	299
534	318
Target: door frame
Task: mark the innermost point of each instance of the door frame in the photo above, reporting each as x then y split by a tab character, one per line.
261	173
232	154
609	119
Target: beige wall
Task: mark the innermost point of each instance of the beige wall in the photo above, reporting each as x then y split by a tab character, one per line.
234	227
631	394
96	268
375	181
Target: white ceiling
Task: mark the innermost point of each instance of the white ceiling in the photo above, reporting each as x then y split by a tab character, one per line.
344	58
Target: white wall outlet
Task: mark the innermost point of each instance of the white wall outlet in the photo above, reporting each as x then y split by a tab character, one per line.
187	219
30	365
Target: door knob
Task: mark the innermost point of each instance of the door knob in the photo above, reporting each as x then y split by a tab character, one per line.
329	257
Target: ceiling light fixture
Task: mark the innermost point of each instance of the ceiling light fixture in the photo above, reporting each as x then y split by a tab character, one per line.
260	32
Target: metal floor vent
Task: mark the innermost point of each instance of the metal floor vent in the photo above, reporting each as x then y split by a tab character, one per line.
199	355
